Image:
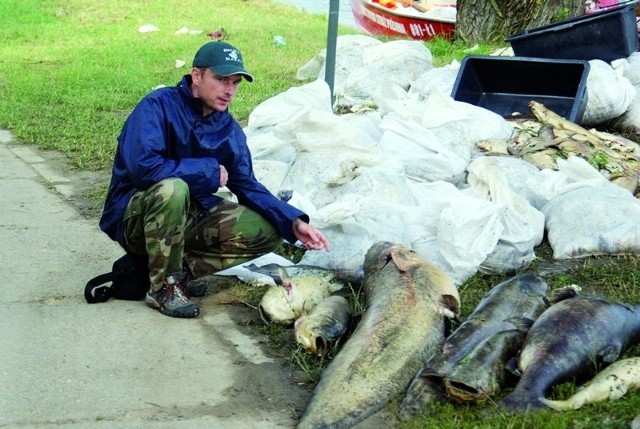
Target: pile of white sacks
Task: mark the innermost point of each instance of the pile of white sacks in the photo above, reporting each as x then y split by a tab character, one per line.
405	167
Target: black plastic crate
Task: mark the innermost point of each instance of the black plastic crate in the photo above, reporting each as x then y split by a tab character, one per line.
506	85
605	35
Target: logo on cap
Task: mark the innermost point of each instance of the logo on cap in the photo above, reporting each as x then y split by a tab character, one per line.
232	55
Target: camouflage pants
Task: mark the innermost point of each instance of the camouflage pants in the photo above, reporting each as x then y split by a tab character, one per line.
162	223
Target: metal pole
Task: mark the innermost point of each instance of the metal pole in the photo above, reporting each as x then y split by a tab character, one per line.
332	35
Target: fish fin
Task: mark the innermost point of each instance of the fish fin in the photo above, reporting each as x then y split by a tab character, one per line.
336	286
251	267
610	353
563	293
522	324
397	255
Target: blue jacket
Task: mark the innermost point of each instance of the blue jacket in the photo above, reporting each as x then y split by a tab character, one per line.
167	136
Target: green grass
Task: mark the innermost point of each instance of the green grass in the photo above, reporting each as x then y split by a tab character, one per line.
71	71
616	278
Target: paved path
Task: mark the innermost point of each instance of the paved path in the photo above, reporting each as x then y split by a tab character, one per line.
67	364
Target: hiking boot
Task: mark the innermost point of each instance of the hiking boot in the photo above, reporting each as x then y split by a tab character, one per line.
196	288
171	300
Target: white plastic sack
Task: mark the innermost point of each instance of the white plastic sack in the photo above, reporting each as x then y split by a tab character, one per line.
593	221
320	131
439	80
348	57
381	183
265	145
630	67
306	173
271	174
315	95
455	231
368	121
398	62
421	154
460	125
351	228
573	173
609	94
523	225
630	120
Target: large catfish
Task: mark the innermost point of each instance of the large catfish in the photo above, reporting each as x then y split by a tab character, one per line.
481	374
407	301
501	309
569	340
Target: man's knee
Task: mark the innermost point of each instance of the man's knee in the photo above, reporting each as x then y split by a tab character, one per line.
172	193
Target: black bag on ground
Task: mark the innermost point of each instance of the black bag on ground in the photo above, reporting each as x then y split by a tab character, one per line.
129	280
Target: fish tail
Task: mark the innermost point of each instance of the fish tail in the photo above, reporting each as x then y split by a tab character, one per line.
559	405
560	294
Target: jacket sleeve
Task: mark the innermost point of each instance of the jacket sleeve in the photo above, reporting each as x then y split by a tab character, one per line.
146	151
251	193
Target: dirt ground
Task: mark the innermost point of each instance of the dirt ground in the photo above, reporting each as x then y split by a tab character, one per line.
266	386
269	386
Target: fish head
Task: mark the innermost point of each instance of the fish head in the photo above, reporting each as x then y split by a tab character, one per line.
309	337
378	255
383	252
275	307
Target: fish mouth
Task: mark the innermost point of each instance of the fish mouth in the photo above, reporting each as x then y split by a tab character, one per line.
320	346
461	392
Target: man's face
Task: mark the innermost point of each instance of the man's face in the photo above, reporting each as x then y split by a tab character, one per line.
216	92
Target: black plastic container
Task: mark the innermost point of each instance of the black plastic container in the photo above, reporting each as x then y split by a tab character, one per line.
605	35
506	85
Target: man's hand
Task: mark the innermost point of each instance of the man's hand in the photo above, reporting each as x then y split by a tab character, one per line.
310	236
224	176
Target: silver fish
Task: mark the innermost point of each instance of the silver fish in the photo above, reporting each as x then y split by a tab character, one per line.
407	300
324	324
295	296
611	383
568	340
275	271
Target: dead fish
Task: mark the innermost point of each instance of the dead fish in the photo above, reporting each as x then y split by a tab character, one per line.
568	340
546	158
611	383
275	271
407	299
493	146
481	374
286	302
532	145
324	324
522	296
549	117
